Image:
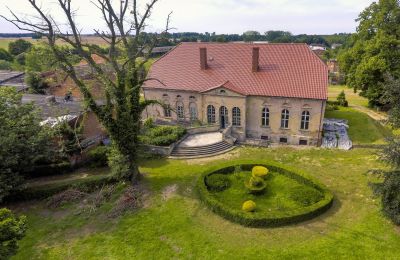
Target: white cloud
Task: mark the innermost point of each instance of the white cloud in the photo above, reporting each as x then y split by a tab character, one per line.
224	16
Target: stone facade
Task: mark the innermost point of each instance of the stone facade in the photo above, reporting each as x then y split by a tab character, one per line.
251	117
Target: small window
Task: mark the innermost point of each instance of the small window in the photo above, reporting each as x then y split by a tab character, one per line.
167	111
210	114
192	97
165	95
178	96
265	117
285	119
283	140
264	137
222	91
303	142
236	116
305	120
180	111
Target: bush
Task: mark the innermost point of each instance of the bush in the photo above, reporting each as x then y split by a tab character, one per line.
12	229
391	196
305	196
260	219
20	59
5	65
341	99
35	81
249	206
19	46
256	185
217	182
98	156
259	171
162	135
5	55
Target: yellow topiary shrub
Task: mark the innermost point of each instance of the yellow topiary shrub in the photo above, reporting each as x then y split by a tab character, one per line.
249	206
259	171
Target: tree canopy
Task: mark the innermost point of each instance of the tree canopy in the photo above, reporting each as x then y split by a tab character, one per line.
19	46
374	50
22	140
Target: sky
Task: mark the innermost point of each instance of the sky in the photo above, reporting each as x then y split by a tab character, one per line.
220	16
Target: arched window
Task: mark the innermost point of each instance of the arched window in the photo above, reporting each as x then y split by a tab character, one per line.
193	111
180	111
210	114
265	117
305	120
167	110
285	119
236	116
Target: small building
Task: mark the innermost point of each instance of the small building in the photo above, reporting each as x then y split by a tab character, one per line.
274	92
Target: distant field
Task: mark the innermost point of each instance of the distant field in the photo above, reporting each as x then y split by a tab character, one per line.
88	39
353	98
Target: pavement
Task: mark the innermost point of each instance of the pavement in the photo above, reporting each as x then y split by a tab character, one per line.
201	139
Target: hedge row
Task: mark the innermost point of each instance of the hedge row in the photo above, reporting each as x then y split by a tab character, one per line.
45	191
258	219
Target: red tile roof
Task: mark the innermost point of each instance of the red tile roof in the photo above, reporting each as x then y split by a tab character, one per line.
285	70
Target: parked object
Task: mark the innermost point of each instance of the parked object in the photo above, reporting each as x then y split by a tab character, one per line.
335	134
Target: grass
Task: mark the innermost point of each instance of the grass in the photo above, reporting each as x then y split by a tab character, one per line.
363	129
179	226
353	98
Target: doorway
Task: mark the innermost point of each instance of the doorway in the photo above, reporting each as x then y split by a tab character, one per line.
223	117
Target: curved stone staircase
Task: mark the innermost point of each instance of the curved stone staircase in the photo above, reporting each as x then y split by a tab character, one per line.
181	152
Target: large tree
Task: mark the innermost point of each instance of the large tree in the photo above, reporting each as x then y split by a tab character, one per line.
122	75
374	50
22	140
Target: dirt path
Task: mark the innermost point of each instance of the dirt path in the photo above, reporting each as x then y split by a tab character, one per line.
380	117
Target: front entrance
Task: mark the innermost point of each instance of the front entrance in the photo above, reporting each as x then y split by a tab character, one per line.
223	117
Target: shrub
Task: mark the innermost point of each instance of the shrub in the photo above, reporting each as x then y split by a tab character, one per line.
20	59
5	65
19	46
35	81
5	55
162	135
12	229
391	196
99	156
259	171
256	185
217	182
249	206
341	99
305	196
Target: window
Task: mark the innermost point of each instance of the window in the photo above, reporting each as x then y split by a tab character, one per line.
167	111
303	142
222	91
283	140
180	111
285	119
265	117
178	96
193	111
165	95
305	120
192	97
236	116
210	114
264	137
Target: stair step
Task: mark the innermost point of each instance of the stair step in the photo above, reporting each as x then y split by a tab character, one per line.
201	150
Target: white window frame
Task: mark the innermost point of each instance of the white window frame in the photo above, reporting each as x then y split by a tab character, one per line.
210	114
236	120
305	120
285	116
265	116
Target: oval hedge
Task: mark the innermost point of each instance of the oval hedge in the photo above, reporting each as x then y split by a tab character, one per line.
259	219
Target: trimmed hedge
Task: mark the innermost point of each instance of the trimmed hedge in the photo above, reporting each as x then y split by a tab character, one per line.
259	219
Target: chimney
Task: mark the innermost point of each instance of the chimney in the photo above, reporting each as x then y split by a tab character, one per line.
203	58
255	58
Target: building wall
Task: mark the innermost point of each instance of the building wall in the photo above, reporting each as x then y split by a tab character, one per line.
274	131
250	113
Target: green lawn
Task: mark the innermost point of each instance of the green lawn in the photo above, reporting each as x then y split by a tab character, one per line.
363	129
353	98
174	224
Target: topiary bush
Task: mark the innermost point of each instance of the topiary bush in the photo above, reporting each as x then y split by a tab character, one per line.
270	217
249	206
305	196
217	182
256	185
259	171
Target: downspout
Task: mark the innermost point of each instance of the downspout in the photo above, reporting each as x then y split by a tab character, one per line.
320	123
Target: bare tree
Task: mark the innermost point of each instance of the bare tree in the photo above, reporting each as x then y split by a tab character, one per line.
121	76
